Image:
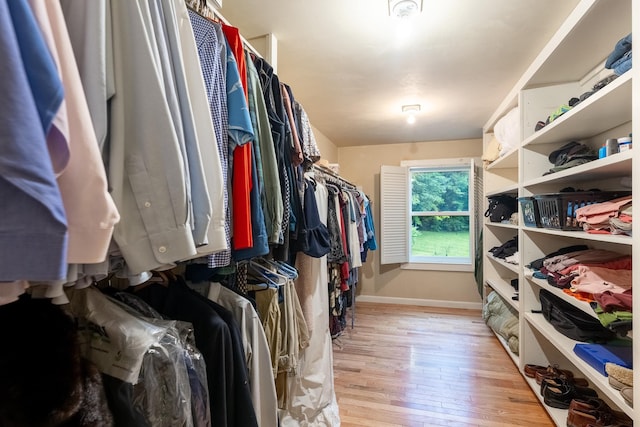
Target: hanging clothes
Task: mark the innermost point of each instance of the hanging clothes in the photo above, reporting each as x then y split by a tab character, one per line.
62	388
261	379
310	148
311	395
87	27
296	156
28	178
146	166
218	338
216	240
273	100
177	348
260	243
91	212
211	51
117	343
269	180
240	137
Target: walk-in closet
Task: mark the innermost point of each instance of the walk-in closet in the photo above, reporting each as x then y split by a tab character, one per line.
262	213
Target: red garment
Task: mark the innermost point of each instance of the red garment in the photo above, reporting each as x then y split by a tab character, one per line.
235	42
241	177
598	231
623	263
242	231
625	218
610	301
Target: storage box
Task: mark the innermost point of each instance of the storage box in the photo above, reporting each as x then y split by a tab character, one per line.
530	213
558	210
597	355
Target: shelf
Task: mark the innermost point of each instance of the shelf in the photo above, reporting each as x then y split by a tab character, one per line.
505	290
568	66
607	108
502	225
593	27
582	305
583	235
615	166
566	345
509	189
508	161
513	267
559	416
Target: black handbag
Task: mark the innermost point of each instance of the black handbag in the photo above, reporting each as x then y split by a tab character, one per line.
501	207
572	322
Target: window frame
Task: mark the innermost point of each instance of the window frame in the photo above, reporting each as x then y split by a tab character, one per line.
405	260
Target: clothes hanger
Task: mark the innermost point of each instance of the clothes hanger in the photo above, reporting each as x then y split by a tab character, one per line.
163	278
279	266
288	270
261	273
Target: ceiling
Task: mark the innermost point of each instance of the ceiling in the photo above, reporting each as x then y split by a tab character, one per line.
352	66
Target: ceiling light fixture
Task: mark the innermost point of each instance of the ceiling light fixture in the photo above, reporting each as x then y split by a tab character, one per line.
411	110
404	8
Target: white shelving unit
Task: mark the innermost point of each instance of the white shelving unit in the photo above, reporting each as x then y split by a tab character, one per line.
568	66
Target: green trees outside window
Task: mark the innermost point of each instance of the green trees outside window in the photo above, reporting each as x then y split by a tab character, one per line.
440	214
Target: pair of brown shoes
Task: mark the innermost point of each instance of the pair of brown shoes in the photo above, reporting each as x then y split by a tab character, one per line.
552	372
594	412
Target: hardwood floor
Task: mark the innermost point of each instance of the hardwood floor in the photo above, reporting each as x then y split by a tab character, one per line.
421	366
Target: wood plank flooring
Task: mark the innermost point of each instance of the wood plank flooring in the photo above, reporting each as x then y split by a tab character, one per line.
409	366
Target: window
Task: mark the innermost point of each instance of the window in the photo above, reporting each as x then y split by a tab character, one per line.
427	214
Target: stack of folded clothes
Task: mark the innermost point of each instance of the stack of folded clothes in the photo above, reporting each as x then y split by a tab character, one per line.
590	271
601	277
508	251
569	155
611	217
619	60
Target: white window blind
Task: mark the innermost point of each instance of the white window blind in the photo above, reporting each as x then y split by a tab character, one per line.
394	214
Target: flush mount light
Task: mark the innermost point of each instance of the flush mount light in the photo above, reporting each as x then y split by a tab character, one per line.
411	111
404	8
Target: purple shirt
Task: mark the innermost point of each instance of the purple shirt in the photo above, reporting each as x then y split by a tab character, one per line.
33	230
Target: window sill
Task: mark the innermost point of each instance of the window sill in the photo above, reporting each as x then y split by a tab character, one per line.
436	267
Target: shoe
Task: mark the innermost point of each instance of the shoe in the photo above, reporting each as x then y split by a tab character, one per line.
577	418
539	372
558	393
580	382
595	404
616	384
619	376
589	404
627	395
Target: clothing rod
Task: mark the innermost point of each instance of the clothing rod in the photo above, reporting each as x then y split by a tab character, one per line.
332	174
224	20
245	42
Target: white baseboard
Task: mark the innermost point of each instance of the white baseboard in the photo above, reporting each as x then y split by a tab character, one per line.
420	302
